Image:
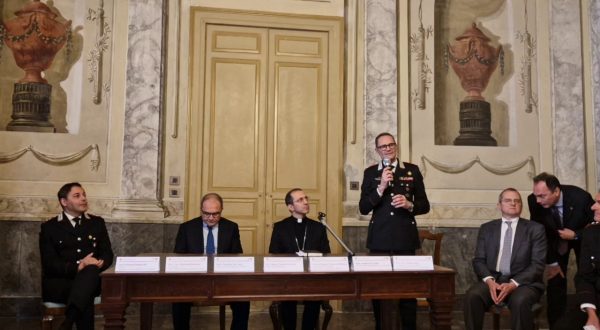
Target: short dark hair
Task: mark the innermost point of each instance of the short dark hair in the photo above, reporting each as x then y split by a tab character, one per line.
64	191
212	196
551	181
288	197
505	190
383	134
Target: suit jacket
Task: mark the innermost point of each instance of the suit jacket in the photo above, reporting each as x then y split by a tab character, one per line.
190	238
62	246
528	252
587	280
577	214
392	229
284	234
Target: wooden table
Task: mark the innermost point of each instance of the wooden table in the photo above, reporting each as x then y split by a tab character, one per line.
119	289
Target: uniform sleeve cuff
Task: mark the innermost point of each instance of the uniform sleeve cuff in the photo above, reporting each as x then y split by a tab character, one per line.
587	305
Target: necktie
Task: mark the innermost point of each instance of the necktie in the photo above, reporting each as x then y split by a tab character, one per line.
210	242
77	222
563	246
506	250
556	216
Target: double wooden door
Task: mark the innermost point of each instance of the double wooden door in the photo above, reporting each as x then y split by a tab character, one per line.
264	121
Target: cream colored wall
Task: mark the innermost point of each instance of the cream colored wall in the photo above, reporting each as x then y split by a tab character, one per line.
177	89
28	184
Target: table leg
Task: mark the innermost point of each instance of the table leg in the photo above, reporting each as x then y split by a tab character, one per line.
146	315
441	313
114	315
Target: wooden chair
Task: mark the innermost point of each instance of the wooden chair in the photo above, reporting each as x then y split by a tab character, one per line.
500	311
325	306
425	234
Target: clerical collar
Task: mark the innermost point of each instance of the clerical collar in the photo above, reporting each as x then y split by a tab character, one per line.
299	220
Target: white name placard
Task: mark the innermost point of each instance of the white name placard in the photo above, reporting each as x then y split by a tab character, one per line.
371	263
233	264
137	264
283	264
191	264
328	264
412	263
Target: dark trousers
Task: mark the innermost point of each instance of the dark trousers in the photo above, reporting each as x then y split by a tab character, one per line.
310	316
519	302
240	311
556	291
407	307
80	303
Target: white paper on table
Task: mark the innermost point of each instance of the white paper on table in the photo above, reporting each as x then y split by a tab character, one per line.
137	264
233	264
283	264
412	263
371	263
190	264
328	264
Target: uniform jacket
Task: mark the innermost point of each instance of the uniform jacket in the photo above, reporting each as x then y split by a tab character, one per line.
284	234
577	214
587	280
190	238
392	229
527	260
62	246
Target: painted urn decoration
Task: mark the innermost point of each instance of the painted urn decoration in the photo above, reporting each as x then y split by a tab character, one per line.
34	37
474	61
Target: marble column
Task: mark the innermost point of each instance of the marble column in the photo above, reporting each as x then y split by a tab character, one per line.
567	93
381	91
140	182
594	11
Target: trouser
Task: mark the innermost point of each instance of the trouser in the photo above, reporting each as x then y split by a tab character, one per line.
310	316
240	310
478	300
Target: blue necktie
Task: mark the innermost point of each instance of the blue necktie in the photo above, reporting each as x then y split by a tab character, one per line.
506	250
210	242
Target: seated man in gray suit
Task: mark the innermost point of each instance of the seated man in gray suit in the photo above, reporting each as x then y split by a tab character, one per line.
509	263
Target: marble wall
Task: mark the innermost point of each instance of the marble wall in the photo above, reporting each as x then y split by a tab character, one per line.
20	271
567	93
381	92
594	12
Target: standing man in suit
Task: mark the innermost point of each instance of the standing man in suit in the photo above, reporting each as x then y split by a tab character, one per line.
209	234
564	211
75	249
293	234
587	280
509	263
395	192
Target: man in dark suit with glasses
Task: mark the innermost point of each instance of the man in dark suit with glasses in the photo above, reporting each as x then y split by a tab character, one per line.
209	234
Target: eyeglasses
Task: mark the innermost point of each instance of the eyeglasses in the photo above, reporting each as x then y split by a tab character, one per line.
387	146
208	214
508	201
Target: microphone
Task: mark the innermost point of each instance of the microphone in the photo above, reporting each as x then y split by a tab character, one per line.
323	219
387	163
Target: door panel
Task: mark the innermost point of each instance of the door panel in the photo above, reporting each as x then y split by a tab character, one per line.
266	116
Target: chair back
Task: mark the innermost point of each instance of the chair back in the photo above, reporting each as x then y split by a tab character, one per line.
425	234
